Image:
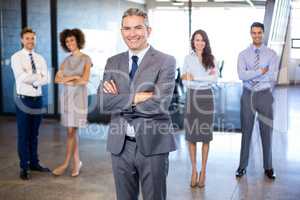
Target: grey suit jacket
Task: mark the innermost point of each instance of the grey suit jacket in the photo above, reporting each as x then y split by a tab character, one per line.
150	119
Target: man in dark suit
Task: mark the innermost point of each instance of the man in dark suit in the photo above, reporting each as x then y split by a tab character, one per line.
136	90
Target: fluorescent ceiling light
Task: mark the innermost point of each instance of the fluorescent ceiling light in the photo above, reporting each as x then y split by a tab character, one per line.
167	8
177	3
228	1
196	1
138	1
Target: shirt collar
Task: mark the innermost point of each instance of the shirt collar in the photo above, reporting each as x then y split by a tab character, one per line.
195	56
140	54
27	52
193	53
253	48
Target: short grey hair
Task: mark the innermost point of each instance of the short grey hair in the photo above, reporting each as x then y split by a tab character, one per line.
136	12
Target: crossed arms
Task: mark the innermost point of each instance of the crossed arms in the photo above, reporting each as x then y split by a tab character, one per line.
138	104
22	75
60	78
269	71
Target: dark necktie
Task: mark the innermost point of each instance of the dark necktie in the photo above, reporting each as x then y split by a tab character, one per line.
256	65
33	67
32	63
134	66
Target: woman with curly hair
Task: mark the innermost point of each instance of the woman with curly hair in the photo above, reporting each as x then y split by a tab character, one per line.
199	72
73	74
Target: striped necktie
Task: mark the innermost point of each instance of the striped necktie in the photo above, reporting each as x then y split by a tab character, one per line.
256	61
256	65
33	67
32	63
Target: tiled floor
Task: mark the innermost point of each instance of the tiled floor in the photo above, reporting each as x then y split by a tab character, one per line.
96	181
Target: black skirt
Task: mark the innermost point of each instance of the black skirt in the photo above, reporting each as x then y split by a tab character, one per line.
199	113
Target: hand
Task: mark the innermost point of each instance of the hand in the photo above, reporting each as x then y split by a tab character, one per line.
59	77
59	74
110	87
80	82
142	96
187	77
212	71
76	78
35	84
70	83
264	70
73	80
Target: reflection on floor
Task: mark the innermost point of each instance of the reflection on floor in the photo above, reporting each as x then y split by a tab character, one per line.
96	181
227	106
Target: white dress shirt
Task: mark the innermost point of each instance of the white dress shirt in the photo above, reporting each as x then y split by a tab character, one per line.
140	55
203	79
26	81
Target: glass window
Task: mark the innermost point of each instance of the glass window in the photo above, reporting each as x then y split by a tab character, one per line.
231	36
169	35
295	30
38	18
100	21
10	43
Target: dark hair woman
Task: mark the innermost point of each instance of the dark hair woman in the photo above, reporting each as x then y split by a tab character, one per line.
199	73
73	74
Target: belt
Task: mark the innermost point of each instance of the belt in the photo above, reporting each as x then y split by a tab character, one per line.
131	139
29	97
257	91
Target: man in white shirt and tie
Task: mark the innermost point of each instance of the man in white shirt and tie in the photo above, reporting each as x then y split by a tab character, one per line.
30	72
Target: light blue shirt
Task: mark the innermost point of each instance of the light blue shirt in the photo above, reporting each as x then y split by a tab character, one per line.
251	75
203	79
130	129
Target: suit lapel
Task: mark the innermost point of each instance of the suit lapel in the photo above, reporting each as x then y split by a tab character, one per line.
145	63
124	63
124	68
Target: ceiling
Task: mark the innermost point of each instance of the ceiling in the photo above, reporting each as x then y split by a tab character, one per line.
254	1
210	3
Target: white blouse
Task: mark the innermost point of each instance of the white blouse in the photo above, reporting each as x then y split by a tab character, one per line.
203	79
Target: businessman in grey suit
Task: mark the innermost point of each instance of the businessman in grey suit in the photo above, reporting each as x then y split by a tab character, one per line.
258	69
136	90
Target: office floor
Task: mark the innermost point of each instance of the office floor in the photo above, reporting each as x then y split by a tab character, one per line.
96	181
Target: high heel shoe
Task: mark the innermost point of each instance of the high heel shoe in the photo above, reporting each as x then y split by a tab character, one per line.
59	170
194	179
201	183
76	172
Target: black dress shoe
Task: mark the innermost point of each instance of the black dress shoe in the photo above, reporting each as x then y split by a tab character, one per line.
240	172
24	175
39	168
270	174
